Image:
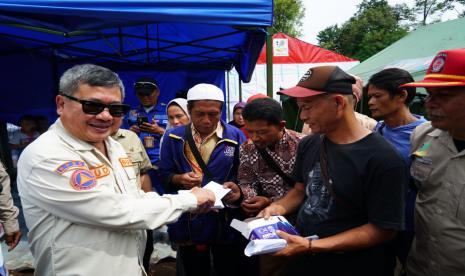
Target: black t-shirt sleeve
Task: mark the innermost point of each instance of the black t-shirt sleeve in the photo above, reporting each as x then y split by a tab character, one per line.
386	198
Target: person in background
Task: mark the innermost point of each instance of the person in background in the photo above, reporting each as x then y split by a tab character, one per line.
136	152
238	119
205	150
349	185
256	96
250	99
259	181
357	91
438	167
8	217
42	123
149	121
178	115
177	112
22	138
84	211
389	102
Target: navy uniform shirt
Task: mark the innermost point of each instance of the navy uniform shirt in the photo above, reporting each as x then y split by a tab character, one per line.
157	114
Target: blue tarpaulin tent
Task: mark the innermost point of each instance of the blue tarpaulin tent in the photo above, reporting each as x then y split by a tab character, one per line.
179	42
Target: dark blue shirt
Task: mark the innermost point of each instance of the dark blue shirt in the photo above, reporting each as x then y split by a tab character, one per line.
157	114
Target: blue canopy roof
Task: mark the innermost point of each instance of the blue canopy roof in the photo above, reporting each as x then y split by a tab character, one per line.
128	36
162	34
71	15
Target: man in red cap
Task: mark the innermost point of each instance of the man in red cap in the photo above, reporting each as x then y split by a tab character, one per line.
438	167
349	185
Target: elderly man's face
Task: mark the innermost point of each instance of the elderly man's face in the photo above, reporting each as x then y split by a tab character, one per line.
264	134
446	108
318	112
205	116
90	128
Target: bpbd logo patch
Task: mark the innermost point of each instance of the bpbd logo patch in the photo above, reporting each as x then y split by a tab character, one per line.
83	180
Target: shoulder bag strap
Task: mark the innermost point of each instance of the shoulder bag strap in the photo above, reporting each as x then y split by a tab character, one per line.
196	152
275	167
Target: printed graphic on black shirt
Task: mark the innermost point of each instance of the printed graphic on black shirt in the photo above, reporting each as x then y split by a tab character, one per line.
319	199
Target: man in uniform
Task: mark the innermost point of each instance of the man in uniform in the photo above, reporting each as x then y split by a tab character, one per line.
149	121
136	152
78	188
8	216
438	167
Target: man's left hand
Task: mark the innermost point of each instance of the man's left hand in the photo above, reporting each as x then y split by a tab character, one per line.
12	239
295	245
253	205
152	128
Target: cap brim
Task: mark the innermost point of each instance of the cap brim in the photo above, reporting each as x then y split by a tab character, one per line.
433	83
144	91
300	92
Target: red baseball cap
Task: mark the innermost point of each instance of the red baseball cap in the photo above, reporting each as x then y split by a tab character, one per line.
256	96
322	79
446	69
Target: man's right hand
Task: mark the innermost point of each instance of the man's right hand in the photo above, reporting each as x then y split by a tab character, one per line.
234	194
272	210
134	128
187	180
205	198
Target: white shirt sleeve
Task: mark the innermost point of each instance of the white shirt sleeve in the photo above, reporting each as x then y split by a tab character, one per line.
99	206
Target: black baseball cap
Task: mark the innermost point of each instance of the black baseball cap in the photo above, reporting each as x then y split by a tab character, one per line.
320	80
145	85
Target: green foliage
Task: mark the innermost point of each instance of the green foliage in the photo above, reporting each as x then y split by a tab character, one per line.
428	8
375	26
288	15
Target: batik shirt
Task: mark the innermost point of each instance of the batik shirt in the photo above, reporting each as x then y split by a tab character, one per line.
256	178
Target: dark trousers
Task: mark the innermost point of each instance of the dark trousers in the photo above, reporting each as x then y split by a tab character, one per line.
218	260
148	250
369	262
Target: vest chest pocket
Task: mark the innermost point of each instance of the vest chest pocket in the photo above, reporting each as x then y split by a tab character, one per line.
136	158
461	203
128	168
130	173
420	170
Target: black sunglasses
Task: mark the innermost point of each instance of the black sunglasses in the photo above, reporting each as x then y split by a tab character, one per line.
94	108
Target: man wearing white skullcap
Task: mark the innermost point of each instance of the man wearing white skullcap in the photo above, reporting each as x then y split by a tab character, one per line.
205	150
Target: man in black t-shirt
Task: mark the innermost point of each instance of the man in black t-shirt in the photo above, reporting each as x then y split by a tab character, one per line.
349	185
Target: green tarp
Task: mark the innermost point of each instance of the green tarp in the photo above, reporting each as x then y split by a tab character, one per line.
415	51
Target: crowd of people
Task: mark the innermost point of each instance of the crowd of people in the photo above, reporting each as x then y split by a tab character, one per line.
379	193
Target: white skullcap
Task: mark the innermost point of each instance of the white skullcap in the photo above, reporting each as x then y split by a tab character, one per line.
204	91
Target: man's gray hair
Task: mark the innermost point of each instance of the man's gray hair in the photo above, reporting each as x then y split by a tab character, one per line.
90	74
